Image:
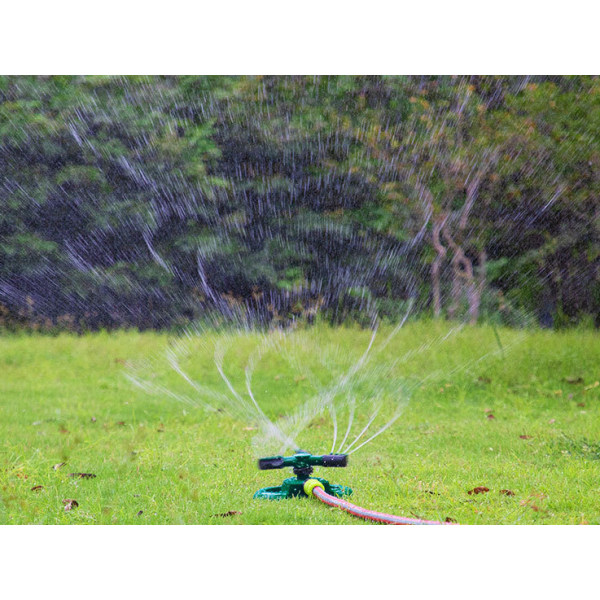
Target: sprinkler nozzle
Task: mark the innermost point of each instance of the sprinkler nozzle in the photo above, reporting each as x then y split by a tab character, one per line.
272	462
335	460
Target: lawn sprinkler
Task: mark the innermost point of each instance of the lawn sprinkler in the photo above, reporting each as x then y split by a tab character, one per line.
303	485
302	464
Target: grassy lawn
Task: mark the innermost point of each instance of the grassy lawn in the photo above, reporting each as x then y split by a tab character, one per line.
527	422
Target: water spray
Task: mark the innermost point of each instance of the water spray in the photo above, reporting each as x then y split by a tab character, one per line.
303	485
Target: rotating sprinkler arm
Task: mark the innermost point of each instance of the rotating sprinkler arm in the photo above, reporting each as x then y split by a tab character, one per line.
302	460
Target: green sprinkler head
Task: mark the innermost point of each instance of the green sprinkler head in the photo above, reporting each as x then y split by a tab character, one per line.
302	464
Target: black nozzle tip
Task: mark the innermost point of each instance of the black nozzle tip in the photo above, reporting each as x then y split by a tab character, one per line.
335	460
272	462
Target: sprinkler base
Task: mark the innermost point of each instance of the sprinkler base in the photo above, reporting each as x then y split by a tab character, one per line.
293	487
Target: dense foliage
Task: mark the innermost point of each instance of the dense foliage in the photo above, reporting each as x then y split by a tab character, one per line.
144	201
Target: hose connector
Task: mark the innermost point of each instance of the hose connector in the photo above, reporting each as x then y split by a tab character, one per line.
310	485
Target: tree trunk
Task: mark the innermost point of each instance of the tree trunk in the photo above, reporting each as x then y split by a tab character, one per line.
456	288
463	277
437	265
477	286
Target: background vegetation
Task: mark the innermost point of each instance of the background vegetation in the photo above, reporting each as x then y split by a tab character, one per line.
263	176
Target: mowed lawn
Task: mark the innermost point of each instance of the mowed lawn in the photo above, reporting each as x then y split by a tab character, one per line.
525	425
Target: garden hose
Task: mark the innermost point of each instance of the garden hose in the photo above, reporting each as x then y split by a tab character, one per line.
313	487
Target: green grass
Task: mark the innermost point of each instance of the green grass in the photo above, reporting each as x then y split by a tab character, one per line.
65	399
